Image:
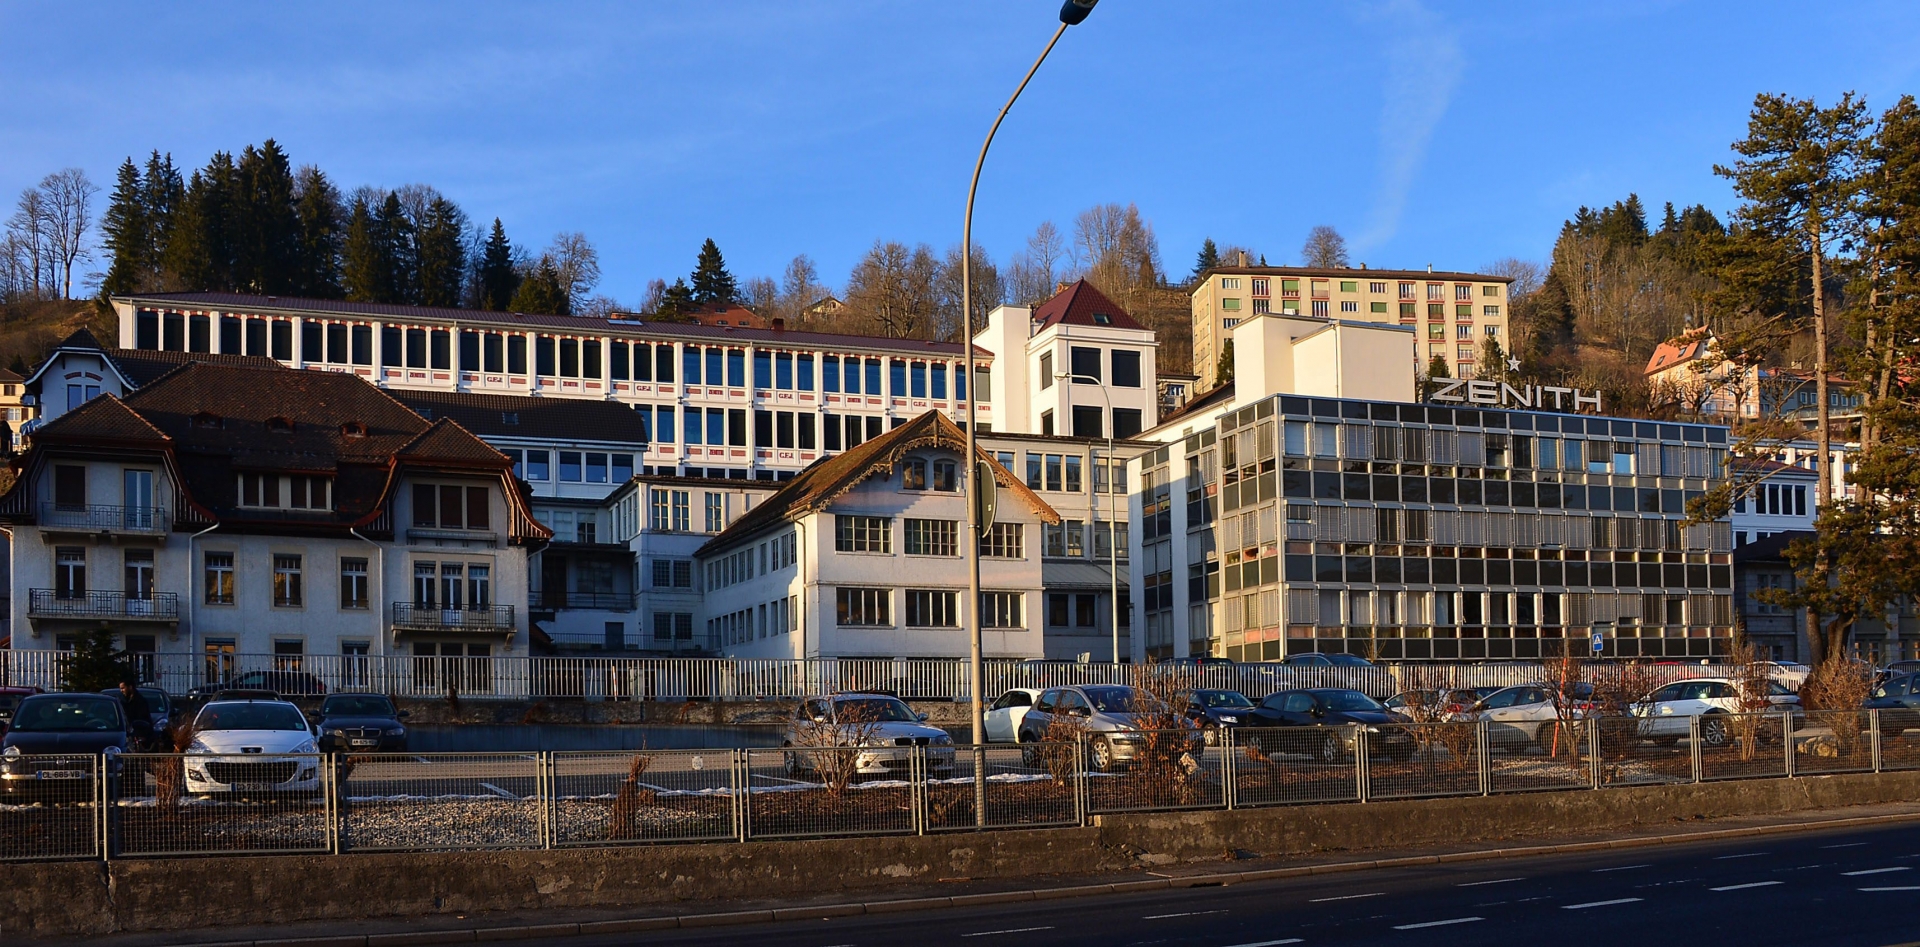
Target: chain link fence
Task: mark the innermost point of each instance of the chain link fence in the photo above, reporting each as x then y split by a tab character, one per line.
144	805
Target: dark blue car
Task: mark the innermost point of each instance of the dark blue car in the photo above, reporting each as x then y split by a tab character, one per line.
1214	710
56	741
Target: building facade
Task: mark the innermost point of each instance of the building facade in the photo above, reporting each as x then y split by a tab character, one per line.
1077	365
1453	314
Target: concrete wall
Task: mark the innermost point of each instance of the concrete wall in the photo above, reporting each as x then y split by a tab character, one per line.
91	898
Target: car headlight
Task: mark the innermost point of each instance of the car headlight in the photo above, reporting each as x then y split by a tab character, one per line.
1373	729
12	753
306	747
198	747
943	740
397	732
1228	718
332	731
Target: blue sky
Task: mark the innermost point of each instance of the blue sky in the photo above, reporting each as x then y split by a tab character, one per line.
1450	134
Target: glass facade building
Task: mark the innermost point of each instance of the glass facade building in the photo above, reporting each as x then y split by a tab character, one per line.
1420	531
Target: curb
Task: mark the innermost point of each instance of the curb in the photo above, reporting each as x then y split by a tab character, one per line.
901	905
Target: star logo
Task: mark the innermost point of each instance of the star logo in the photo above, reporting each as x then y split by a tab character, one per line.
1513	364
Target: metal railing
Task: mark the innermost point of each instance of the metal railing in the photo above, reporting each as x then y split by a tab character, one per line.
747	679
143	805
606	601
105	519
429	617
50	603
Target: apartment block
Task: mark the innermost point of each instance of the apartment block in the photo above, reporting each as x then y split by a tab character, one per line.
1453	314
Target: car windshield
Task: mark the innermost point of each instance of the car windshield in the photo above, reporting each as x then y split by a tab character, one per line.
1350	660
250	716
59	714
1212	699
873	710
156	698
359	705
1119	700
1348	700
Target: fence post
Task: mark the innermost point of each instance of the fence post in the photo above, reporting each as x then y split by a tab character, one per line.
1873	731
1693	739
917	788
547	786
103	842
1594	762
1082	804
1786	740
1229	780
980	786
740	775
331	789
1483	746
1360	773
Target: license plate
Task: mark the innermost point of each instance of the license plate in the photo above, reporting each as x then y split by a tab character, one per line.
364	742
254	787
63	774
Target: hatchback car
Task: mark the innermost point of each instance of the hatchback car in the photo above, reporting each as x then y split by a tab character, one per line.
10	698
1898	700
50	752
1214	710
1665	712
252	746
1318	660
1004	717
361	723
884	729
1523	716
1112	716
1324	722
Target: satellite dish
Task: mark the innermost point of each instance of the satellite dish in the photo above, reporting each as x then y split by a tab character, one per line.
986	494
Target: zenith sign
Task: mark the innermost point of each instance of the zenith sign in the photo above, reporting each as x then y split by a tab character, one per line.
1503	395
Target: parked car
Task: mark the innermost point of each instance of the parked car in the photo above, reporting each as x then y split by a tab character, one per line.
884	729
1111	715
1667	709
1898	700
1214	710
10	698
1316	659
1003	718
283	683
1793	674
1435	704
1523	716
252	747
1323	722
49	752
159	707
361	723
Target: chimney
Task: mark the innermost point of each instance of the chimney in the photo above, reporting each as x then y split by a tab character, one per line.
1429	267
1363	264
779	323
1060	287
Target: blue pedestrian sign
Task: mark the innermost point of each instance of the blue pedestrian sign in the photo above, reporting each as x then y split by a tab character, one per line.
1599	641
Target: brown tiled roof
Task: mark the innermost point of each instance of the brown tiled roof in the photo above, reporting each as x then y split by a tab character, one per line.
8	375
624	327
573	419
276	419
447	441
142	366
1684	348
103	419
1079	305
817	486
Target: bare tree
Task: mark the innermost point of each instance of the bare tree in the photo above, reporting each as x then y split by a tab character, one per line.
800	287
656	294
1526	276
578	263
69	215
761	294
28	230
1324	249
891	291
988	291
1047	249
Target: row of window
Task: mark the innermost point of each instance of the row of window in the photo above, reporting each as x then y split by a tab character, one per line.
288	583
1085	364
574	466
1061	473
773	555
861	607
766	620
1335	608
1088	421
1262	286
445	506
924	537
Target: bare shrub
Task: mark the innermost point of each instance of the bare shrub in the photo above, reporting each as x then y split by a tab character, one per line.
1563	676
1834	691
830	746
1616	689
1166	762
1747	672
628	801
1059	749
169	773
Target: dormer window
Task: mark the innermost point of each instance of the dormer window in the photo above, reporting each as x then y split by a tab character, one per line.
509	417
207	419
1101	318
266	491
280	425
353	429
913	474
946	476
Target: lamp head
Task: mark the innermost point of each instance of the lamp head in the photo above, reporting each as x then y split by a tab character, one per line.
1074	11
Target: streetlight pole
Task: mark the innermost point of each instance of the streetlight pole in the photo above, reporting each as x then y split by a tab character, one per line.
1113	515
1071	13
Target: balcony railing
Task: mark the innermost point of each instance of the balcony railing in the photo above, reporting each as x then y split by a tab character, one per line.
604	601
105	519
50	603
428	617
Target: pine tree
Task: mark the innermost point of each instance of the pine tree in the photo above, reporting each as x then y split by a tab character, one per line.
540	293
442	254
1208	259
1223	369
711	281
399	253
199	254
362	259
317	270
94	665
676	300
164	195
1493	360
1437	367
497	277
266	245
127	234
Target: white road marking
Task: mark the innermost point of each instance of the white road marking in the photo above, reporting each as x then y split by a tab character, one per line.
1848	845
1496	881
1752	884
1620	868
1597	904
1874	871
1455	920
1016	930
1747	855
1159	917
782	779
1895	888
1269	943
500	792
1348	897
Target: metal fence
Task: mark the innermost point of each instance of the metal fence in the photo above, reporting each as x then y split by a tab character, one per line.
678	679
146	805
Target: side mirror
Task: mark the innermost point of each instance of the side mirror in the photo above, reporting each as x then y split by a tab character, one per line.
920	717
819	720
402	715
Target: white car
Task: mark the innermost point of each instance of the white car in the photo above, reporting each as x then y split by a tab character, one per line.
1517	717
1667	710
1792	674
884	728
252	746
1003	718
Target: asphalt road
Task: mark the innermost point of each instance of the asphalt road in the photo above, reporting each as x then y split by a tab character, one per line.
1851	887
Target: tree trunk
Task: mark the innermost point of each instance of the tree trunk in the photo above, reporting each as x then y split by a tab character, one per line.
1820	361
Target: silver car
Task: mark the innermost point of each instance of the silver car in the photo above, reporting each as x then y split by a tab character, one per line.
1112	717
884	729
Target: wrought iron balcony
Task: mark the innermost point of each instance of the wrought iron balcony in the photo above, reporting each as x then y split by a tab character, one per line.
410	616
50	603
604	601
141	520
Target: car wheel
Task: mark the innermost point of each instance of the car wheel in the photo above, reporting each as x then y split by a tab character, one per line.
1210	734
1100	755
792	764
1029	754
1330	750
1713	730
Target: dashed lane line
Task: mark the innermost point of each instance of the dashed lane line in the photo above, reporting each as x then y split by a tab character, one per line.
1847	845
1744	855
1015	930
1349	897
1451	920
1269	943
1895	888
1619	868
1597	904
1162	917
1751	884
1496	881
1873	871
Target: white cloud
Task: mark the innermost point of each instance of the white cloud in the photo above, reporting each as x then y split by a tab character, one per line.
1423	69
